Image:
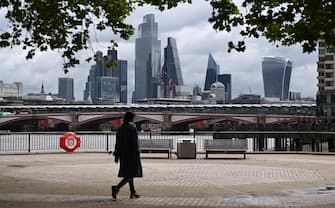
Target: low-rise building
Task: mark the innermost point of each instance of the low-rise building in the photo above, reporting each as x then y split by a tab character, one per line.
13	90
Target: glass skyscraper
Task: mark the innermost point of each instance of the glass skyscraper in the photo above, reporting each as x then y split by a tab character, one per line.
109	88
276	77
65	88
106	83
123	80
212	72
171	71
147	59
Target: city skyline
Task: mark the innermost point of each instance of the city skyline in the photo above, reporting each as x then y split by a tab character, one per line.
195	39
107	84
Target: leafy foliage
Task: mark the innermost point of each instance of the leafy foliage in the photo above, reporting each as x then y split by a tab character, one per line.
64	26
281	22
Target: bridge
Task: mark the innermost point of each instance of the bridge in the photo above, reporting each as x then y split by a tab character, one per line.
163	116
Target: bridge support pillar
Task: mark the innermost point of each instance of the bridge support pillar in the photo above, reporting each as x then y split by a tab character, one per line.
75	121
166	125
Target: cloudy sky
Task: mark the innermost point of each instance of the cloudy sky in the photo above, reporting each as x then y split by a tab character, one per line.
195	40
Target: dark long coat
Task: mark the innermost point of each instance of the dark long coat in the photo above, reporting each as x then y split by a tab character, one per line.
128	152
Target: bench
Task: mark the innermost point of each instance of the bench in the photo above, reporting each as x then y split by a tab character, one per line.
156	146
217	146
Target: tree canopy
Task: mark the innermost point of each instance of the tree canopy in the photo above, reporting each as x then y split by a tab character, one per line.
64	26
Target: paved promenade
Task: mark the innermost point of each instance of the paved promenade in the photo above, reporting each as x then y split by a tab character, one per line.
84	180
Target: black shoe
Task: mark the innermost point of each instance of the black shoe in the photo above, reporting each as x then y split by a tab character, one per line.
115	190
134	196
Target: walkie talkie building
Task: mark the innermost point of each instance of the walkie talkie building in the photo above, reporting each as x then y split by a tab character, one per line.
276	77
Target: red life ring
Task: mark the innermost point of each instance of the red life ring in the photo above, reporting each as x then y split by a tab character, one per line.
69	141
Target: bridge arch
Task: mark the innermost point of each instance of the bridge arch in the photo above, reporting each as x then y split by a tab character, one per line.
94	118
209	117
31	118
32	123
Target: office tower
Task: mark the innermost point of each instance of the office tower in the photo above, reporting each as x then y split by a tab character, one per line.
107	80
90	86
197	91
276	77
211	73
147	59
109	69
65	88
119	71
326	86
218	93
109	88
123	80
133	97
226	80
171	72
99	66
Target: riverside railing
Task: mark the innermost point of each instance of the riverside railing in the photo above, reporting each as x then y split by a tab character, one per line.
46	142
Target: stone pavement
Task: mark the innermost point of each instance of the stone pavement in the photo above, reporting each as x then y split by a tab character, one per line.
80	179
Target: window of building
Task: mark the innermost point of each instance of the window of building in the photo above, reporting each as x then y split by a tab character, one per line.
330	50
321	74
321	58
322	51
329	66
329	58
329	83
329	75
322	44
321	66
321	81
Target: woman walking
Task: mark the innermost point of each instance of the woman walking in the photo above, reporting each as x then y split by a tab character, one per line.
127	151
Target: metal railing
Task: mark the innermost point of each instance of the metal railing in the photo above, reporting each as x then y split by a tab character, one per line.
40	142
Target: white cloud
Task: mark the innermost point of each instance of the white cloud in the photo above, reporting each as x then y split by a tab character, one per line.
195	40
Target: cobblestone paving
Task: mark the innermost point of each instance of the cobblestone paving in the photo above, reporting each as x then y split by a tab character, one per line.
216	201
233	176
221	175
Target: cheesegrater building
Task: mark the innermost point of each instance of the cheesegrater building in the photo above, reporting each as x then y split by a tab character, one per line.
171	70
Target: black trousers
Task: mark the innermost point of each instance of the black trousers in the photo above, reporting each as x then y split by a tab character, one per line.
127	180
